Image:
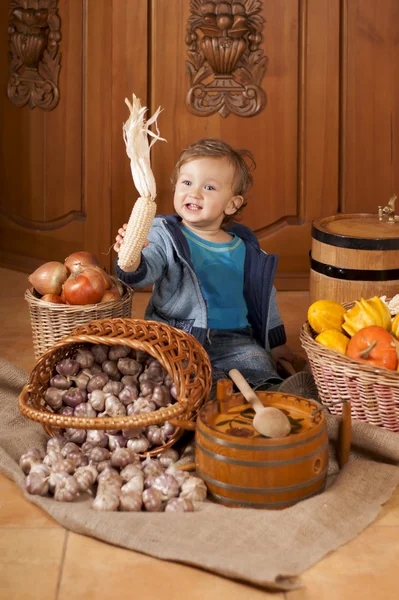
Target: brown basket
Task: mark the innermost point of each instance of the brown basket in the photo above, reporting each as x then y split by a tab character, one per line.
373	392
182	356
52	322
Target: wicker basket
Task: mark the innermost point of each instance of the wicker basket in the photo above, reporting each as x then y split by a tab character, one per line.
183	357
52	322
373	392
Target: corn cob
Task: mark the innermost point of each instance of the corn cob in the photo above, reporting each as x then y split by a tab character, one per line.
135	132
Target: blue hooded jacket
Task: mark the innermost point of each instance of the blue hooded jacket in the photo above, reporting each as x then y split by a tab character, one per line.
177	298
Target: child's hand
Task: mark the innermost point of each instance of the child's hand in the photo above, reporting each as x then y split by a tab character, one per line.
119	237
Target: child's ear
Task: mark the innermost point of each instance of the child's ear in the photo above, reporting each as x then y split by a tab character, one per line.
234	205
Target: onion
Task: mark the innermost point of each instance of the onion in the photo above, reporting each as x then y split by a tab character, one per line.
85	287
53	298
111	295
78	260
107	279
49	278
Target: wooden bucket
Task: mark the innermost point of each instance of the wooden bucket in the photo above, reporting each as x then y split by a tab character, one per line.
354	256
244	468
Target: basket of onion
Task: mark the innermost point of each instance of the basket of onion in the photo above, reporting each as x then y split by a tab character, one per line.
65	295
119	383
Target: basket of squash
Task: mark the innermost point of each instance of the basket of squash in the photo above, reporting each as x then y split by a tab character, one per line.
119	383
352	349
75	292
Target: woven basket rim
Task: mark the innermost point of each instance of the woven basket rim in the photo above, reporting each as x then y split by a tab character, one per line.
336	359
38	302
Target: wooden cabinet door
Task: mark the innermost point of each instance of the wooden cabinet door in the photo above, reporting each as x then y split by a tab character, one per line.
65	183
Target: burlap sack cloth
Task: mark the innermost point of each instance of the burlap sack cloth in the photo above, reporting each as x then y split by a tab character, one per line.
264	547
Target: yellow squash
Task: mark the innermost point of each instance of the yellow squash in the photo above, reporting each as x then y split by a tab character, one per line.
326	314
395	326
333	339
366	313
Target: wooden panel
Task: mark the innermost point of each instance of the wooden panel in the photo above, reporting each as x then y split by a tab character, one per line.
44	148
370	161
41	170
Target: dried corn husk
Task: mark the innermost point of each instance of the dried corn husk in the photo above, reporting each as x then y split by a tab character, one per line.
136	134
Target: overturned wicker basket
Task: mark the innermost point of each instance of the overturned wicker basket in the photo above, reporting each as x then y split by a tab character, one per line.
52	322
373	392
181	355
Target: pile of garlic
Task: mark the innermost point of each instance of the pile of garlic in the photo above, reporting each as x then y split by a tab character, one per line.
104	381
117	479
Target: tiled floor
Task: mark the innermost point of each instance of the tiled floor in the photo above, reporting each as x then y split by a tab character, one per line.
40	559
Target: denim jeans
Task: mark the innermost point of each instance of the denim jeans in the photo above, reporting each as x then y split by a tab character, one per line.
237	349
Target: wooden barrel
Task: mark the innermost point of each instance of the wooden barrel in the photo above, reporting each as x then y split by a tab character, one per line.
353	256
244	468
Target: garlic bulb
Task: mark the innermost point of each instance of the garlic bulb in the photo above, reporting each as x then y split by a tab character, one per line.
194	489
98	437
97	400
135	484
69	448
41	469
99	454
65	464
85	477
121	457
55	478
56	443
130	502
85	358
87	447
155	435
130	471
178	474
179	505
138	445
84	409
52	457
100	353
167	485
76	435
104	464
116	441
36	484
152	500
110	474
151	467
113	407
66	490
117	352
106	501
29	459
168	457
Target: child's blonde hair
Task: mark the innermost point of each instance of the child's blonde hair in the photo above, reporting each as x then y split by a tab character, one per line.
215	148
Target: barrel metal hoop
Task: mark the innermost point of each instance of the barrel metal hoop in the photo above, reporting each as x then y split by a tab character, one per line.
354	243
247	490
228	444
261	463
281	504
352	274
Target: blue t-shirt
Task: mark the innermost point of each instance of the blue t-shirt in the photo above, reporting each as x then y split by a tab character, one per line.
220	271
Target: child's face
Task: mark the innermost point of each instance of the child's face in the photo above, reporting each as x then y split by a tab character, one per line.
204	192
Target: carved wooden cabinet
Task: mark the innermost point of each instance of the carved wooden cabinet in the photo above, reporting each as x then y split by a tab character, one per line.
309	86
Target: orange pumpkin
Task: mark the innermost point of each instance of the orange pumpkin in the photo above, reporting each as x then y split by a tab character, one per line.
375	346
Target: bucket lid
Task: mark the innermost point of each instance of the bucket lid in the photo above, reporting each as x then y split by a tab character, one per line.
359	231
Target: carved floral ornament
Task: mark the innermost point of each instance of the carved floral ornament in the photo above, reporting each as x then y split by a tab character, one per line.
226	66
34	60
